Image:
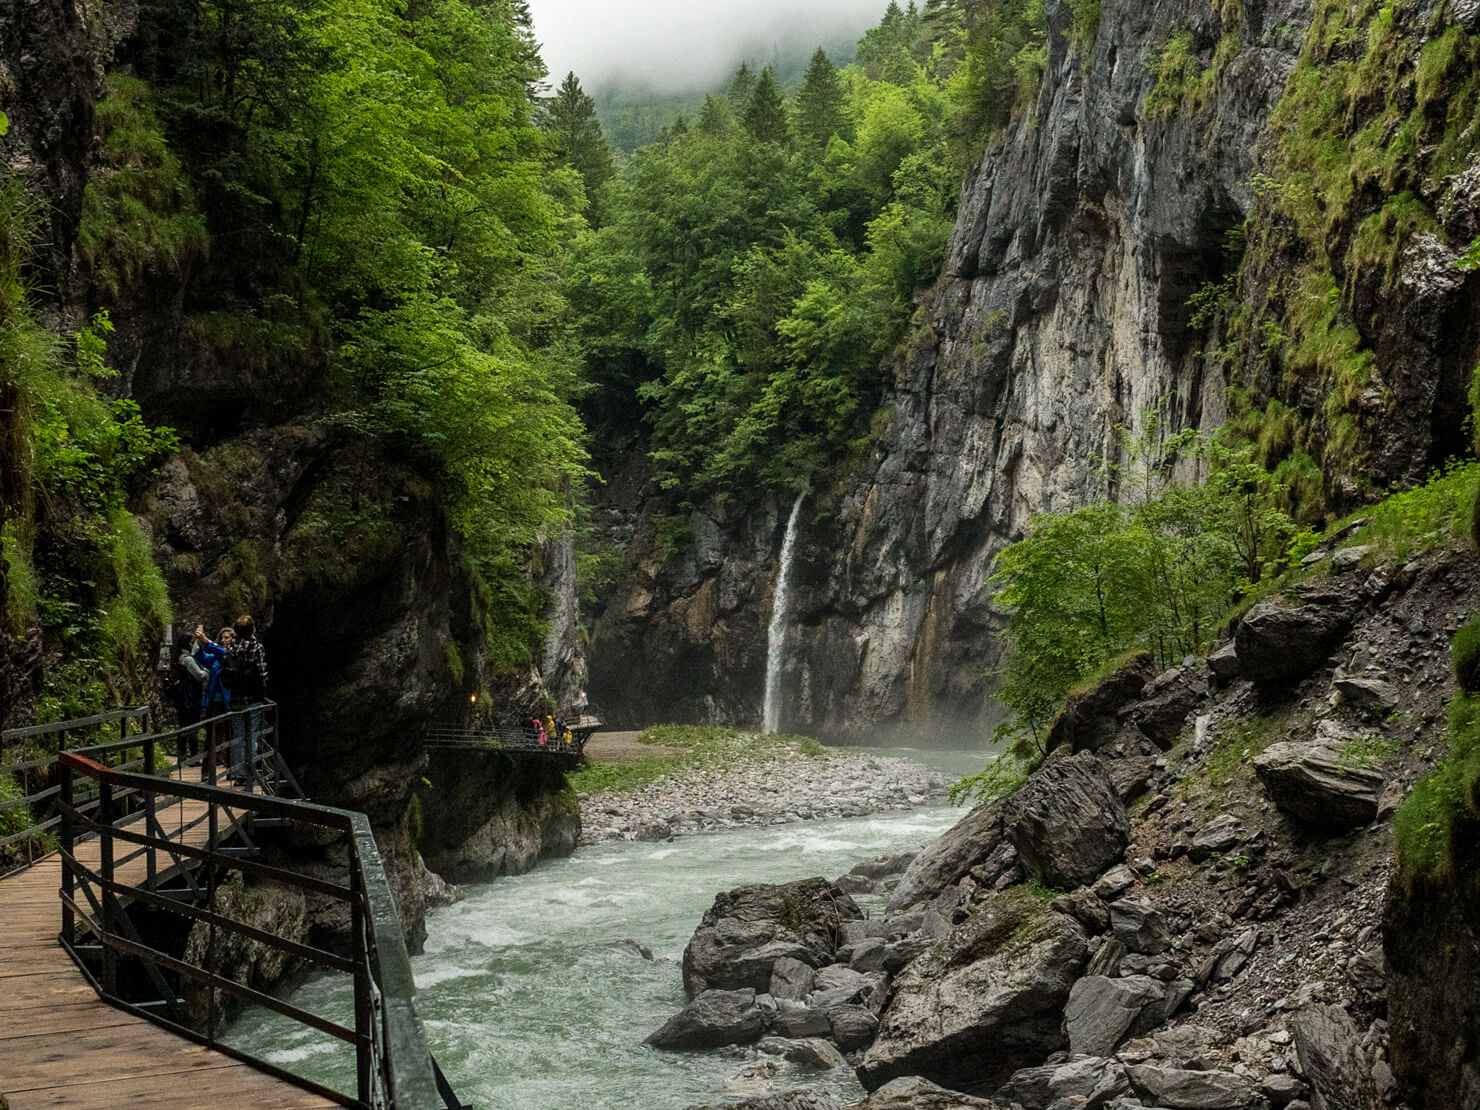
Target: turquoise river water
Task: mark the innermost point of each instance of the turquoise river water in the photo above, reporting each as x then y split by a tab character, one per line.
529	1006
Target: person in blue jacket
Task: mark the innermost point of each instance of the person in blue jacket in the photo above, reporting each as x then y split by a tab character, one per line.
215	695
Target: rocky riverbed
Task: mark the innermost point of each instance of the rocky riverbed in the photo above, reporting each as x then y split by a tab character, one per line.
770	787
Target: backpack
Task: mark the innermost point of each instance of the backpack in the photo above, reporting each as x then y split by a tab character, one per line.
239	670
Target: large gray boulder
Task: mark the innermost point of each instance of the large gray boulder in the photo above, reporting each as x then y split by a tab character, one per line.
914	1093
1314	783
1067	822
1081	1081
1177	1089
1329	1047
987	1000
1090	719
713	1020
749	929
950	857
1285	638
1102	1012
791	1100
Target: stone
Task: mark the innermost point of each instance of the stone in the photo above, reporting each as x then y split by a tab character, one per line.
881	867
969	844
1329	1047
1180	1089
1090	718
985	1001
852	1026
712	1020
1285	638
1107	958
1281	1090
1368	693
1166	704
811	1052
1313	783
1088	1082
791	979
1224	661
748	929
791	1100
914	1093
1139	926
1349	558
1113	883
632	948
1102	1011
839	978
1086	908
1067	823
1221	834
1368	971
796	1020
870	954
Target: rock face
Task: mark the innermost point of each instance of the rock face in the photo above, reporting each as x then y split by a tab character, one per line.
1067	822
945	860
1101	1012
985	1001
747	930
1317	785
280	910
1329	1046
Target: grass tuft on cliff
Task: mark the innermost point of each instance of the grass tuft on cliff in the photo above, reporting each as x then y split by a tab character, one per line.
693	746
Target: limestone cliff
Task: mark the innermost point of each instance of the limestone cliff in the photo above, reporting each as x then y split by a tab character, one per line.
1064	311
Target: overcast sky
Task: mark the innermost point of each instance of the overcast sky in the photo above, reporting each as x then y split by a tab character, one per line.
683	44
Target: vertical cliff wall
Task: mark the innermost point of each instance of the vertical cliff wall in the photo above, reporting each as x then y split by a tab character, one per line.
1063	311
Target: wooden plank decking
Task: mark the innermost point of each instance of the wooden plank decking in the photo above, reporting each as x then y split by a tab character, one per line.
62	1046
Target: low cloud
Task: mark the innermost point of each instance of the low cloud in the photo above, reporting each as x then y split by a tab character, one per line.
679	45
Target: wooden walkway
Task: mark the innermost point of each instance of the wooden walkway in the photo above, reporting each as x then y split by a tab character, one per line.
62	1046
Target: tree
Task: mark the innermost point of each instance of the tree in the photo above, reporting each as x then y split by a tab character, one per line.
575	133
819	104
741	85
765	113
716	118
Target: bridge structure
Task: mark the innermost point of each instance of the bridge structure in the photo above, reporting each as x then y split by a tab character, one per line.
518	738
115	989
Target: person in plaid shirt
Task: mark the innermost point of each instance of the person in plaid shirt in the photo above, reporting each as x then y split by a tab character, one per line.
246	668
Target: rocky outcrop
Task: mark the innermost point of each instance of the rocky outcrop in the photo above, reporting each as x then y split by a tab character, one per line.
985	1001
1067	822
271	908
915	1093
1288	637
1318	785
747	930
1329	1047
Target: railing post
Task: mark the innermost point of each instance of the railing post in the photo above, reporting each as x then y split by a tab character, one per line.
364	1017
109	903
151	818
66	834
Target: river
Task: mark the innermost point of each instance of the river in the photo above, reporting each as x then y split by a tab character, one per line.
529	1006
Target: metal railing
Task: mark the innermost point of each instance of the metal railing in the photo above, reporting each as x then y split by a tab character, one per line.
517	738
116	853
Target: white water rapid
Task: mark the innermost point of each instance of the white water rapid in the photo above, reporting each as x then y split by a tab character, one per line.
776	637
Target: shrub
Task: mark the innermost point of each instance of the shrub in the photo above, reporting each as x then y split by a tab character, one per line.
1464	653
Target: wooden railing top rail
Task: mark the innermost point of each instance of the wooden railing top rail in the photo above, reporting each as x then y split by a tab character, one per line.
28	732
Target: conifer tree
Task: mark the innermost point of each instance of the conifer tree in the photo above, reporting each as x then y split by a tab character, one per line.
575	132
820	103
741	85
716	118
765	113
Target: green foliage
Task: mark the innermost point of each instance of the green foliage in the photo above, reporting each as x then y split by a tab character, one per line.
1464	654
1000	779
1181	82
695	747
569	118
1086	22
1439	511
1434	827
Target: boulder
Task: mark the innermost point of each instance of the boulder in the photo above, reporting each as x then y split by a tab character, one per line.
1139	926
801	1022
1067	823
1084	1081
881	867
1102	1012
852	1026
1221	834
1315	784
1329	1047
915	1093
809	1052
791	1100
714	1019
791	979
945	861
987	1000
749	929
1224	661
1166	704
1090	718
1285	638
1368	693
1177	1089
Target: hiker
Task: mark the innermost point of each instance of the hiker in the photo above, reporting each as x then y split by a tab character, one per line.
186	690
215	698
539	730
246	675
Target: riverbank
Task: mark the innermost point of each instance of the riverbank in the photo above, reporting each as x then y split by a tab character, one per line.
706	779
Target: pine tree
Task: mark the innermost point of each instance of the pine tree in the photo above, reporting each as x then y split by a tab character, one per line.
716	118
820	103
575	133
765	114
742	85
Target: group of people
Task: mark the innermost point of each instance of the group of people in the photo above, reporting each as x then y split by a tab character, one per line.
549	730
211	677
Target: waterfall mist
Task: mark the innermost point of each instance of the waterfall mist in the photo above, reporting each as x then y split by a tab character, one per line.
776	637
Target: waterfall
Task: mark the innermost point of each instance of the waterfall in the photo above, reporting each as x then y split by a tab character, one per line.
776	638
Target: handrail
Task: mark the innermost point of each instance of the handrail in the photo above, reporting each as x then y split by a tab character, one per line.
26	732
394	1066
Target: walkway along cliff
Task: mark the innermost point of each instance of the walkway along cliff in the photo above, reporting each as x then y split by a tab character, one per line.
1146	230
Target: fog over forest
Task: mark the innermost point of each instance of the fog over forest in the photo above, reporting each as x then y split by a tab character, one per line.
679	45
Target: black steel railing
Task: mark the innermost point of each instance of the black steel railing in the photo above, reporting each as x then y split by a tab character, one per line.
29	817
101	881
506	740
